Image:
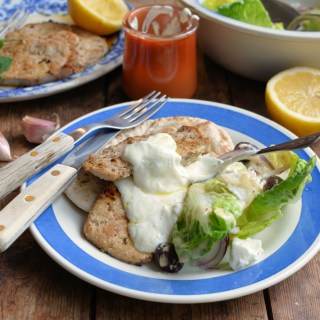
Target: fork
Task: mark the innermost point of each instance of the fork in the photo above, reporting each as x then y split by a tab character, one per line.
295	144
249	151
16	21
23	168
245	153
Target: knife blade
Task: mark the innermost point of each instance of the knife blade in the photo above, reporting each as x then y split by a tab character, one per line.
20	213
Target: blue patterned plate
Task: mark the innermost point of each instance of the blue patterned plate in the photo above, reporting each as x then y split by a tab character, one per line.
43	10
288	244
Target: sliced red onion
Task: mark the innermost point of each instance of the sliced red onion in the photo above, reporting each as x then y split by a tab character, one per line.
213	258
276	171
260	164
243	151
267	161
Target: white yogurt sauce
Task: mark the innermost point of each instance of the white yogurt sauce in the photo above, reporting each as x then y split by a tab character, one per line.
242	182
156	165
153	197
151	215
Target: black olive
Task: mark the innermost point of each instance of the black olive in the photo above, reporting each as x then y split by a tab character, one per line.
167	258
245	146
271	182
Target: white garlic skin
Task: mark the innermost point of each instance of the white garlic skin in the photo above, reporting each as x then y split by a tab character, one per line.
37	130
5	152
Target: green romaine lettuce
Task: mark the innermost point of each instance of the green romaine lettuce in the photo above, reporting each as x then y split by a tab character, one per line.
281	158
266	207
249	11
313	24
209	213
213	4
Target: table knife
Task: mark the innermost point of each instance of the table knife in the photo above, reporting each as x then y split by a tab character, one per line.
15	173
20	213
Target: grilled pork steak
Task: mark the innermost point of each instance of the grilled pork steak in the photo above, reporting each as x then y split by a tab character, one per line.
49	51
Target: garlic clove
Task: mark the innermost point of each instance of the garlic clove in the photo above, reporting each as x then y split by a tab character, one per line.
38	130
5	153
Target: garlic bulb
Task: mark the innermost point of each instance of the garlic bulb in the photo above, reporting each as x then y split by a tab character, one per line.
5	153
37	130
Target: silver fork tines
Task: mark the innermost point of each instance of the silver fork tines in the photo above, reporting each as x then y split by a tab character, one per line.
139	104
16	21
130	117
141	110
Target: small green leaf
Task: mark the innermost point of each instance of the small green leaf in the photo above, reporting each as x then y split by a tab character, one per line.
1	43
5	63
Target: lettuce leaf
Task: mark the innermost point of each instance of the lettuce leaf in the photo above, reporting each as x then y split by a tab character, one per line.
249	11
313	24
266	207
281	158
209	213
213	4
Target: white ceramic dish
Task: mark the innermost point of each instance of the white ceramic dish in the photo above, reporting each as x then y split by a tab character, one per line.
56	10
254	52
289	243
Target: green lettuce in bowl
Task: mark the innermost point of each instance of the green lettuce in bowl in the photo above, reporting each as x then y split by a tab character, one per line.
249	11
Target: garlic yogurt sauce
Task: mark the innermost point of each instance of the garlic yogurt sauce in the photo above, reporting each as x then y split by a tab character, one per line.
153	196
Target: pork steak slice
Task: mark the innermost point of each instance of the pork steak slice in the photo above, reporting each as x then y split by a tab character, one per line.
107	228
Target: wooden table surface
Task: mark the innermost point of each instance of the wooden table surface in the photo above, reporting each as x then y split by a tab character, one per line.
33	286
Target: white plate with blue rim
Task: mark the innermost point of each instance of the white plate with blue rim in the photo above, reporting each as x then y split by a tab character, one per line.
289	243
56	10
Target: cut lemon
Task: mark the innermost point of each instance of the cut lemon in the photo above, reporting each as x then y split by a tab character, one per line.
293	99
101	17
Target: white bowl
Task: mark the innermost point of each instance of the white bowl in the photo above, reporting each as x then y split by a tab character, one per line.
254	52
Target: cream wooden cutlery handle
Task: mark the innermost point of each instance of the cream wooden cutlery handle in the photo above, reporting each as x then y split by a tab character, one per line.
19	214
15	173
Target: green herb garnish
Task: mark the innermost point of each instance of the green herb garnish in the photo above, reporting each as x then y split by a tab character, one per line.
5	62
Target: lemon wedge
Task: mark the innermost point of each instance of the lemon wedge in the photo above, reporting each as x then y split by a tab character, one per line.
102	17
293	99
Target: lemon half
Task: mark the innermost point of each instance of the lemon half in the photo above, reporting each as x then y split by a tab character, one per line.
102	17
293	99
